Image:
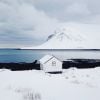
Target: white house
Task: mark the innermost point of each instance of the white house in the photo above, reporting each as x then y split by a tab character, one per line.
50	63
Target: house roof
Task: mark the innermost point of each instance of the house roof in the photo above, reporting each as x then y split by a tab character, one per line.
46	58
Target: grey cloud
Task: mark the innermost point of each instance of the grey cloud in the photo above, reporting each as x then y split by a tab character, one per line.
24	23
78	9
29	22
62	9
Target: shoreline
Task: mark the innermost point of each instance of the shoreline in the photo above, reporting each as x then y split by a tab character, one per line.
78	63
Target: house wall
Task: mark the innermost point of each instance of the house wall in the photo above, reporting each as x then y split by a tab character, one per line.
41	66
49	67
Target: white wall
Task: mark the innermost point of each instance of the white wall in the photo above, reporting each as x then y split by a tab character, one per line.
47	67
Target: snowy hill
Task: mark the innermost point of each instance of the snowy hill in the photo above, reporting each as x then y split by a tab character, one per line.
63	40
73	36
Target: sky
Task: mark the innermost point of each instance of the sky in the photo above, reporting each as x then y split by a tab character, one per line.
30	22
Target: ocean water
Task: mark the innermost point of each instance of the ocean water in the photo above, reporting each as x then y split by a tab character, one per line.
13	55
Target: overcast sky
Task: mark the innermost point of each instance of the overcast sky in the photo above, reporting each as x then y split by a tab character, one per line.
30	22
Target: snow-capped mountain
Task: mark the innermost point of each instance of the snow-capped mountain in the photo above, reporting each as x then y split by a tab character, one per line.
77	36
63	39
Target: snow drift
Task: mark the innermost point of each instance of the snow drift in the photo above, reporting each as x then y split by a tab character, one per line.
72	84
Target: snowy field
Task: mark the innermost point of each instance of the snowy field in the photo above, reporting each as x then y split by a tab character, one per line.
72	84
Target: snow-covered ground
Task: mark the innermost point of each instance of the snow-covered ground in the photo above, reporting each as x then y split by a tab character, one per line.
72	84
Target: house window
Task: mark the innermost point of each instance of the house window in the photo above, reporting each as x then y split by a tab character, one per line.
53	63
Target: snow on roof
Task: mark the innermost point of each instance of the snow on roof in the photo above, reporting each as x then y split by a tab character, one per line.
46	58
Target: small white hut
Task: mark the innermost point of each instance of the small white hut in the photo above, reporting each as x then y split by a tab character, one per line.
50	63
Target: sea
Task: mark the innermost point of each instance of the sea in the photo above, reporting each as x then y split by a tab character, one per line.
29	56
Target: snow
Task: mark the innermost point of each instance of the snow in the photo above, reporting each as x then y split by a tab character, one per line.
72	84
73	36
45	58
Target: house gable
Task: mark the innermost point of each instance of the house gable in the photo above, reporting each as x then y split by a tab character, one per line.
47	58
53	65
50	63
51	59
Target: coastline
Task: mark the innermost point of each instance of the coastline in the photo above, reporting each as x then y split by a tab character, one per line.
78	63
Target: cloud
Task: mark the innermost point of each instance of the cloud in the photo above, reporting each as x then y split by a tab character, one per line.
76	12
69	10
30	22
24	24
78	9
95	19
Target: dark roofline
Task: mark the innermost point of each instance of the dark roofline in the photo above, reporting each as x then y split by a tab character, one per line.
57	58
51	58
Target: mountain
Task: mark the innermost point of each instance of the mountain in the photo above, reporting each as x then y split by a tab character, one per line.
77	36
63	40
